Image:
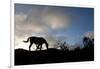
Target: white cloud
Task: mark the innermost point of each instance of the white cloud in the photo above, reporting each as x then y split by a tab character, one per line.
38	22
56	21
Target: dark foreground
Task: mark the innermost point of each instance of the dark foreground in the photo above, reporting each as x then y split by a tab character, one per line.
24	57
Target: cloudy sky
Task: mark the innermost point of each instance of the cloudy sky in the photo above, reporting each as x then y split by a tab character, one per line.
53	23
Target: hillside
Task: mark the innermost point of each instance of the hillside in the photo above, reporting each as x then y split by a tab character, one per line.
24	57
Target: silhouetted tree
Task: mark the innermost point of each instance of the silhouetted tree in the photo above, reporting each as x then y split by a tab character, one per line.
88	42
62	45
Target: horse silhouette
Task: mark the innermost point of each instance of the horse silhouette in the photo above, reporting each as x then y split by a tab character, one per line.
38	41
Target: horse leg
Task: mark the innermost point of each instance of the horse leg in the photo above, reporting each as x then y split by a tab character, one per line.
40	47
37	47
47	46
30	46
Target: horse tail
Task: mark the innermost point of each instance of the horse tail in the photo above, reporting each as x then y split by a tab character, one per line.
27	40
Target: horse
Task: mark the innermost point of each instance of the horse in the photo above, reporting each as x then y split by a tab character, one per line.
38	41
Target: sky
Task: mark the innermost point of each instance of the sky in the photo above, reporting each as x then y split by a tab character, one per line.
54	23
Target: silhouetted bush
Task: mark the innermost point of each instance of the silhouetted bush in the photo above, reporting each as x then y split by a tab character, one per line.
62	45
88	42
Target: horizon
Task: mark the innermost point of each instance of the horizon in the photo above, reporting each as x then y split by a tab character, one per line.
69	24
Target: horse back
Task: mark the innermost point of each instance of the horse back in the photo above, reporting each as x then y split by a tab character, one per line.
37	40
